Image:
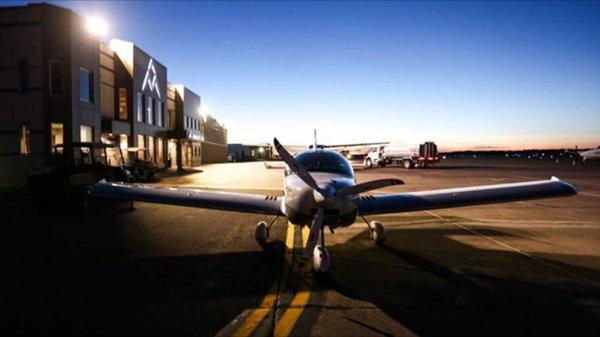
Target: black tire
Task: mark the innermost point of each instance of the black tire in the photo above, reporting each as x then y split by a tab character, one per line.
408	164
382	163
368	163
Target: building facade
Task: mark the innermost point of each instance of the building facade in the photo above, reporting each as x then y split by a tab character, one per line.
49	86
249	152
60	84
194	137
139	101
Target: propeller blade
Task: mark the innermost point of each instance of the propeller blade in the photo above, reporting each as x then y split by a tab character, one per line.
369	185
313	235
295	167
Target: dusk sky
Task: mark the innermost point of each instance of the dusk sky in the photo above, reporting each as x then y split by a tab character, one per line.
465	75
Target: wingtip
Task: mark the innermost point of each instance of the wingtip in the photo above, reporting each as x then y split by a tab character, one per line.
569	188
398	182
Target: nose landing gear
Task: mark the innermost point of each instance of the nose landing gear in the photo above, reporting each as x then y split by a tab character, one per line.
321	261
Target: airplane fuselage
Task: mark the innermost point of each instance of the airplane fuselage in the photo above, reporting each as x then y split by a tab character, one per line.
300	204
590	154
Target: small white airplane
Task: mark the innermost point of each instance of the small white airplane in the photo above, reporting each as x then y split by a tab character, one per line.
592	154
320	191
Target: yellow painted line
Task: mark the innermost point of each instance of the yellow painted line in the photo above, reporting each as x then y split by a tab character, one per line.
289	243
290	317
289	239
253	320
286	323
305	232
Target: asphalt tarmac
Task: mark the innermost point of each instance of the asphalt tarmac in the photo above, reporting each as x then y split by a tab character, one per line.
526	268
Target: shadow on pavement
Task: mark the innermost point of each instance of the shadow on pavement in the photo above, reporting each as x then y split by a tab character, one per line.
51	288
432	299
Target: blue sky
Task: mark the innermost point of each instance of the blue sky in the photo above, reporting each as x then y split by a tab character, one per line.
466	75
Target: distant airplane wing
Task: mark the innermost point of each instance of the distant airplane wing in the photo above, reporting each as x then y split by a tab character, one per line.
281	165
465	196
240	202
275	165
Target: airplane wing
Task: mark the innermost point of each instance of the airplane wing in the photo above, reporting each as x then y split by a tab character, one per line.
465	196
240	202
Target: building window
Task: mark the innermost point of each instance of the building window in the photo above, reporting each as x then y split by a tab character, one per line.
149	111
86	86
139	106
86	133
122	103
160	157
141	152
25	147
159	115
151	148
23	83
56	78
154	114
57	136
163	115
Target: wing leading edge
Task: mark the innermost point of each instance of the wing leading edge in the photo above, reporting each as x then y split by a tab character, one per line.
465	196
240	202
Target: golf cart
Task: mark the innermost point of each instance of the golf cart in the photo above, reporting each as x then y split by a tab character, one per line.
74	167
139	162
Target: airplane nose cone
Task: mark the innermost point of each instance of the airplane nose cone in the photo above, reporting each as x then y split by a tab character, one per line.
326	193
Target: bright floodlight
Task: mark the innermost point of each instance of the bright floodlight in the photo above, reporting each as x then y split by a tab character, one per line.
96	26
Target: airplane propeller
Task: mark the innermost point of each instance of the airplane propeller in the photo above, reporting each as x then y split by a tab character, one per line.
322	196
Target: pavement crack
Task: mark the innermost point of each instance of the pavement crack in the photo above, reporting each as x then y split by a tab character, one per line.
368	326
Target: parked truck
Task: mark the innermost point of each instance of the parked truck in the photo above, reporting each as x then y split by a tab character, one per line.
409	156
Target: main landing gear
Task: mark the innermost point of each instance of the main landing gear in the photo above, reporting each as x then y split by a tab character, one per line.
262	231
378	232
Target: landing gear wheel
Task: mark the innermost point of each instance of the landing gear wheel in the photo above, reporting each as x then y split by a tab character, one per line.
321	261
262	233
378	232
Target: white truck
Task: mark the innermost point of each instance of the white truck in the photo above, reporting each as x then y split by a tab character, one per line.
410	156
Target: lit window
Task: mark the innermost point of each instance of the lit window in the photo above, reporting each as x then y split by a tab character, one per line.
86	133
56	78
24	140
57	136
122	103
86	86
141	153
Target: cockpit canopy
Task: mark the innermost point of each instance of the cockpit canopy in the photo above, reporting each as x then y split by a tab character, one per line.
325	161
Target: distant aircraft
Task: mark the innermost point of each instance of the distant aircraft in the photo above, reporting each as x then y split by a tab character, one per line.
592	154
320	191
